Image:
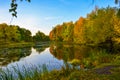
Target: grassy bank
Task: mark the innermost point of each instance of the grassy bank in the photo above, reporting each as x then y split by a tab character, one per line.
63	74
22	44
82	75
104	72
107	67
15	44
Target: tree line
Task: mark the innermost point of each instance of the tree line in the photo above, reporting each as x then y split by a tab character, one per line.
13	33
100	26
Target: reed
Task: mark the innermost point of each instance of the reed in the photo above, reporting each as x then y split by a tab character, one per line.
31	73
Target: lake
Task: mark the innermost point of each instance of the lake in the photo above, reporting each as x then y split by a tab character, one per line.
28	57
53	56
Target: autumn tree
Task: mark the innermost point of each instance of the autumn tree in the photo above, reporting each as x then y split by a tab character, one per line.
67	32
79	31
62	32
52	35
99	27
116	25
56	33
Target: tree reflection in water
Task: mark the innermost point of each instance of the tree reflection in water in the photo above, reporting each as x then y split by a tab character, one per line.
80	55
40	48
8	55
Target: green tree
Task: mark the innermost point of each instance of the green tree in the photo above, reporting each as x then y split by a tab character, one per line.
116	25
40	36
67	32
26	35
9	33
13	33
99	26
3	36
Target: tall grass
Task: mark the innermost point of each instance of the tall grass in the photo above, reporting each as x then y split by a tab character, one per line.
67	72
31	73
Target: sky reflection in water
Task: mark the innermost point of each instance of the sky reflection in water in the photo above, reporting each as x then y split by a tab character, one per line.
37	59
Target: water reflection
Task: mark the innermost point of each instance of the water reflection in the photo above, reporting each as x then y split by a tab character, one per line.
54	57
70	51
40	48
8	55
80	55
38	56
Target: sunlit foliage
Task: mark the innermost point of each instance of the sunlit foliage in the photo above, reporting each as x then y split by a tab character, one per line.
79	31
100	26
9	33
62	32
13	33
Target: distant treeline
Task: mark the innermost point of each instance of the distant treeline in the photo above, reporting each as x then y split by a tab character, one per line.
13	33
100	26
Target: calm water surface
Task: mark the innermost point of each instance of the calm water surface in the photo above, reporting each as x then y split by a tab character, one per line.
36	59
53	56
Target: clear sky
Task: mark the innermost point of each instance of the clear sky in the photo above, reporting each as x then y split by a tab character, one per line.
43	15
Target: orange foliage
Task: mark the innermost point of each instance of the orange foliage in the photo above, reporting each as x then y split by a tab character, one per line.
56	33
78	30
51	35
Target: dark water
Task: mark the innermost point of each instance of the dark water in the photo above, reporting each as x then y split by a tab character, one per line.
53	56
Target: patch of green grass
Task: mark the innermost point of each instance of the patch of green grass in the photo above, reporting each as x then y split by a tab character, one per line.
82	75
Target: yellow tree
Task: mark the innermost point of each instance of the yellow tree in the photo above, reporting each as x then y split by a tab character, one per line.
116	24
79	31
67	32
99	27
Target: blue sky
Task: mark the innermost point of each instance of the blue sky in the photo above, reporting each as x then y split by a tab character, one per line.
43	15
